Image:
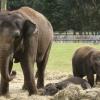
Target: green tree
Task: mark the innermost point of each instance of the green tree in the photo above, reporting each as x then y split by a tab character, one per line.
79	15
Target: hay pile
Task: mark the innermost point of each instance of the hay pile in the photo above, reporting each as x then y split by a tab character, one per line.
71	92
74	92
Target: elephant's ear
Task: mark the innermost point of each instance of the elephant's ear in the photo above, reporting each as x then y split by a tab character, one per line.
29	28
30	39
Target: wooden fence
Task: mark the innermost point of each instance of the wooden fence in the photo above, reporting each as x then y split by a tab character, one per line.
76	38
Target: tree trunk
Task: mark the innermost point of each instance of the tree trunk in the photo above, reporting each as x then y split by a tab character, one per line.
3	5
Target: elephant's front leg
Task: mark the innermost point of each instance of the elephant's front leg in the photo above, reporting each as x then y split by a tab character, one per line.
29	81
4	88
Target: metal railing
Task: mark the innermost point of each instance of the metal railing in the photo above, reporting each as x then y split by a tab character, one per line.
76	38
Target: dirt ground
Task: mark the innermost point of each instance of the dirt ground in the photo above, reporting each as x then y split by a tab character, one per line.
16	92
71	92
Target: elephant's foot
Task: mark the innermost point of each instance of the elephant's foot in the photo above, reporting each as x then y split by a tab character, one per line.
40	80
4	89
24	87
40	85
5	94
30	89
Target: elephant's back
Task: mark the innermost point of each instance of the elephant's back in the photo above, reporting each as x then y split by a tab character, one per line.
39	19
79	60
83	52
45	30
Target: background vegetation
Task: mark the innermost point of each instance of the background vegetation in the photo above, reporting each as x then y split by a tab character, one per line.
79	15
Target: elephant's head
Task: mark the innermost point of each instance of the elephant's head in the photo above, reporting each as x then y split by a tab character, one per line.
13	28
95	61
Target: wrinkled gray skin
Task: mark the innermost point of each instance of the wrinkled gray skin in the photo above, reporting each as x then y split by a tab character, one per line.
53	88
26	36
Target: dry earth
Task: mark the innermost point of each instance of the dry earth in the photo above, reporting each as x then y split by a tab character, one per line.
72	92
16	92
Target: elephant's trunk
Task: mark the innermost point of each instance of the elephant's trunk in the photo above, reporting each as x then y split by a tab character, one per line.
4	65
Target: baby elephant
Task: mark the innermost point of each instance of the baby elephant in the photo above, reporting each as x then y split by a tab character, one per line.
53	88
86	62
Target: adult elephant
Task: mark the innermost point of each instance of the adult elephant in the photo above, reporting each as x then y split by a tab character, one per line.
86	62
26	36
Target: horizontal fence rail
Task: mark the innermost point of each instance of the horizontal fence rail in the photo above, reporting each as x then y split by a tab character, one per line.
84	38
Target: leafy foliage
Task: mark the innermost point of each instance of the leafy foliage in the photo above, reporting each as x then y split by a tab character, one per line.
79	15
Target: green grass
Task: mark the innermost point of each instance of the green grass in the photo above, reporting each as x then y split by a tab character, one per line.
61	56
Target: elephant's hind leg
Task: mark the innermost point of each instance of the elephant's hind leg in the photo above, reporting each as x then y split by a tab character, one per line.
90	78
41	69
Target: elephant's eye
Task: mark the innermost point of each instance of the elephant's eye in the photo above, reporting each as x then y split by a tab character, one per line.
18	24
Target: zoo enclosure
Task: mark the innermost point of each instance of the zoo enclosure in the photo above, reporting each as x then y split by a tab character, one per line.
76	38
